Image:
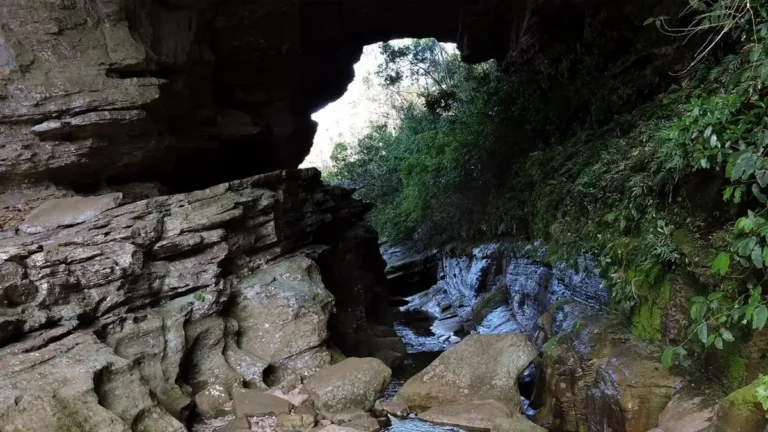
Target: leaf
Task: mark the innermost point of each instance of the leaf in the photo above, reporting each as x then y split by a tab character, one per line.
695	310
703	332
749	310
715	295
721	264
762	177
699	310
728	192
710	339
727	335
757	256
649	20
719	342
758	194
759	316
666	357
713	142
746	246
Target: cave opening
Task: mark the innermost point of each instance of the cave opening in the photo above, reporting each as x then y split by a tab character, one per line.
400	69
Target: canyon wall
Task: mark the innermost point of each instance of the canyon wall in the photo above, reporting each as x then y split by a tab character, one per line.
117	314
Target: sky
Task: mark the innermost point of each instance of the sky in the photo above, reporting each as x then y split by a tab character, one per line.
348	117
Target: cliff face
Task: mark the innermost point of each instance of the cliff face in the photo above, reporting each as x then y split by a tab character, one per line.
131	310
186	94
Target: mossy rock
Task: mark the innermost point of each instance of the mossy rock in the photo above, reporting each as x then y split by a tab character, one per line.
486	304
740	412
729	364
676	318
648	315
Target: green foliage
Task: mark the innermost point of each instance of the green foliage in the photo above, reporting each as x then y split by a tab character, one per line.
723	129
761	392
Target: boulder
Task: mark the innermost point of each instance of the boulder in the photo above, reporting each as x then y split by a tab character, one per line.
213	402
255	403
294	422
363	424
351	385
336	428
156	419
690	410
741	412
630	391
295	398
238	424
485	415
517	423
600	374
283	311
480	367
383	408
478	415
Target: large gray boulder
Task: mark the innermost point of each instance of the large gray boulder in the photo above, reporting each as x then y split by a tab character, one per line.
349	386
480	367
283	311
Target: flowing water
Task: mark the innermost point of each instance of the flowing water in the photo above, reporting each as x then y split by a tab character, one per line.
424	341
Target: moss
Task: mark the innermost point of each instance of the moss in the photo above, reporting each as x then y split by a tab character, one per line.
735	366
484	306
647	316
743	400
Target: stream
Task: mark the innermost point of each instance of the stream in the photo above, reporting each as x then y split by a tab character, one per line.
424	342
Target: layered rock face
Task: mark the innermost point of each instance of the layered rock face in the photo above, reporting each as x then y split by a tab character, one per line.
129	311
500	289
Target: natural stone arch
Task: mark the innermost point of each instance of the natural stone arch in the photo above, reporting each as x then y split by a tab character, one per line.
191	93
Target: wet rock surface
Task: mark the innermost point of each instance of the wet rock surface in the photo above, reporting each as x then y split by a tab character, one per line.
499	289
599	374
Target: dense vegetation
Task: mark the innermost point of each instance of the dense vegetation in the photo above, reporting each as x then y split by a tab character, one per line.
668	191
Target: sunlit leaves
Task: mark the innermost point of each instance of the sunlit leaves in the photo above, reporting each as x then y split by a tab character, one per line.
721	264
761	391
